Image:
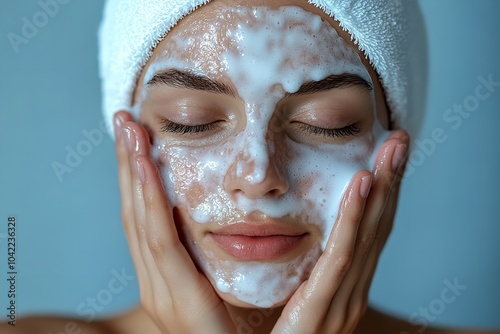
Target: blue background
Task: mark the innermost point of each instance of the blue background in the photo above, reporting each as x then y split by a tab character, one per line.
70	238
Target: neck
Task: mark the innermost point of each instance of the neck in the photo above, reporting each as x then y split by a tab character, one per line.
246	320
250	320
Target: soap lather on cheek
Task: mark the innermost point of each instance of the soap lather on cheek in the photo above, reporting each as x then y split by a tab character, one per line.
267	54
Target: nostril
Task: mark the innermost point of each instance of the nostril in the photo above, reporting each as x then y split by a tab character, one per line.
255	177
275	193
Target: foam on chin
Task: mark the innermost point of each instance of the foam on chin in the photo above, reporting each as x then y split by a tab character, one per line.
270	53
260	284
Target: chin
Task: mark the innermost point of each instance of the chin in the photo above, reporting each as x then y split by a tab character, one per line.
233	301
257	284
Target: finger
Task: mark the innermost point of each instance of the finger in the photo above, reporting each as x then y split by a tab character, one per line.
171	257
383	227
124	178
136	141
389	158
338	316
361	291
382	202
155	294
123	166
391	205
311	302
337	257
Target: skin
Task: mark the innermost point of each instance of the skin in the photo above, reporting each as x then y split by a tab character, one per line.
177	298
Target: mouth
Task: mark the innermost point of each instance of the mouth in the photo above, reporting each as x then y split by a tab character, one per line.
258	242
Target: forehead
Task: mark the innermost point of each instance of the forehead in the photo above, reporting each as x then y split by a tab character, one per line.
240	40
202	36
205	15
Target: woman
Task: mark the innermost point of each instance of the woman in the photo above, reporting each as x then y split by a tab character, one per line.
254	169
249	205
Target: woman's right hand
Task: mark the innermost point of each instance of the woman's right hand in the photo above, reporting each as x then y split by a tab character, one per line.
178	297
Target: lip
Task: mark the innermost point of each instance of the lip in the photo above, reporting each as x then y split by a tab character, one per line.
258	242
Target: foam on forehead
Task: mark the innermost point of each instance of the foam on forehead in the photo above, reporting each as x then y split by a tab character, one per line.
250	38
132	28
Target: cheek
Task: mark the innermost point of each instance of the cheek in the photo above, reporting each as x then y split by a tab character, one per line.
194	178
183	174
319	178
187	178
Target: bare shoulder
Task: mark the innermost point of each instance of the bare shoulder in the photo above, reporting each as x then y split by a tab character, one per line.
134	321
55	325
377	322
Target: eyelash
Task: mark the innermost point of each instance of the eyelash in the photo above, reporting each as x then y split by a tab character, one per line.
347	131
169	126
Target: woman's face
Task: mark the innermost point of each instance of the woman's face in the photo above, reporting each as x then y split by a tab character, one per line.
259	117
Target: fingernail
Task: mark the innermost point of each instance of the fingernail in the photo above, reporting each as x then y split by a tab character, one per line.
398	156
117	123
403	135
364	188
139	169
129	139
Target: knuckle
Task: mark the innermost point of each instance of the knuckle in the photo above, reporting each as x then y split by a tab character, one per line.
399	178
358	312
365	243
357	216
383	234
127	213
156	246
336	324
355	315
145	298
343	264
141	232
149	305
386	182
121	153
161	306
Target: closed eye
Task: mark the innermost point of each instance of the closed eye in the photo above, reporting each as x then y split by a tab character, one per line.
171	127
347	131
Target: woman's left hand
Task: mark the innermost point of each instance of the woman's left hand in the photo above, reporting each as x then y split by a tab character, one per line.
335	297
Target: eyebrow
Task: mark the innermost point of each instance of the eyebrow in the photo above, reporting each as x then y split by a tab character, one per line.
185	79
332	82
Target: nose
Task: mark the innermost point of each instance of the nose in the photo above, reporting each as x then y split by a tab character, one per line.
241	178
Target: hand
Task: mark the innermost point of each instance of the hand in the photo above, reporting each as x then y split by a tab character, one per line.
174	293
180	299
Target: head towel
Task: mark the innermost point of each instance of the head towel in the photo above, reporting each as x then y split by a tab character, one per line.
131	29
